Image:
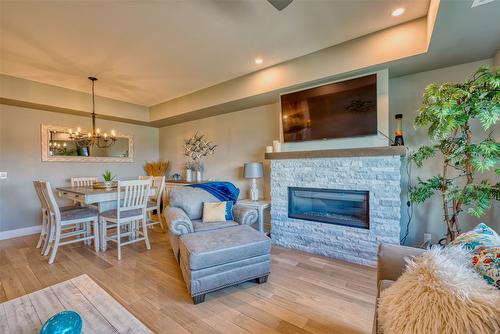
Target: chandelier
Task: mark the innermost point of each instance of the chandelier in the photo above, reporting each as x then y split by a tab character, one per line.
95	137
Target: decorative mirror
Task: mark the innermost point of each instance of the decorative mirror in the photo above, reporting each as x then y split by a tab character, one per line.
62	144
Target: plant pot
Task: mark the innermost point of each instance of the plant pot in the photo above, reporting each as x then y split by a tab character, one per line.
189	175
108	184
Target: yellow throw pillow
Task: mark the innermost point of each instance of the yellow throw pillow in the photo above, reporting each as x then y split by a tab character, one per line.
214	212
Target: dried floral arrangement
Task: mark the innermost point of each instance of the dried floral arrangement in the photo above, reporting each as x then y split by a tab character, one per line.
156	168
196	148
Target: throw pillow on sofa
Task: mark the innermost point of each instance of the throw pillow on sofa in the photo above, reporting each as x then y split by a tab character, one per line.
478	238
214	212
439	293
487	264
484	243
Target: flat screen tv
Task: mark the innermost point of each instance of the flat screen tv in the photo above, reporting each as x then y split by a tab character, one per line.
337	110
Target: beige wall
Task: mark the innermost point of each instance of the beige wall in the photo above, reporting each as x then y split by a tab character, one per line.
241	137
497	59
39	93
20	156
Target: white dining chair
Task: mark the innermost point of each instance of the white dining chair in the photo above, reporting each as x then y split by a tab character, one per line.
43	240
154	202
67	227
44	233
86	181
131	204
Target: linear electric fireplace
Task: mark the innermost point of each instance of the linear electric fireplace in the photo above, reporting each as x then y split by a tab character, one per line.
332	206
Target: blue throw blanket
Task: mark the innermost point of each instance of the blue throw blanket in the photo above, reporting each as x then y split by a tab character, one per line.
224	191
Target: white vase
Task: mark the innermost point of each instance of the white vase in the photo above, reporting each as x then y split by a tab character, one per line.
199	176
189	175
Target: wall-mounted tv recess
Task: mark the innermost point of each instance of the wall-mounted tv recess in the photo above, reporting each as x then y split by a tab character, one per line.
336	110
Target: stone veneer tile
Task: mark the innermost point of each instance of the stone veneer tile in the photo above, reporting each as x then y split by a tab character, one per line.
381	176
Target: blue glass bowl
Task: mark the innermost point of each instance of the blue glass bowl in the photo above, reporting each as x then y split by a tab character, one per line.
65	322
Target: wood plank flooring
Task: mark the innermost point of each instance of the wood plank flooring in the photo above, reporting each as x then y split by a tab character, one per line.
305	293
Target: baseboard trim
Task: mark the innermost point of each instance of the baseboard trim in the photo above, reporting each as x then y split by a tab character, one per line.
20	232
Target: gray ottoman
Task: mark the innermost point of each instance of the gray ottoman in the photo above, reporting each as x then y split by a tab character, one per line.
216	259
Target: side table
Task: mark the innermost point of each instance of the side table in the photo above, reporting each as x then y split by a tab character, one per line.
260	205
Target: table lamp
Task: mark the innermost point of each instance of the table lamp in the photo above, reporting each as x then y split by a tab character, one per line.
254	171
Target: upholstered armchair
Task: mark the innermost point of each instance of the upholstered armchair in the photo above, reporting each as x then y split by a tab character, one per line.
185	210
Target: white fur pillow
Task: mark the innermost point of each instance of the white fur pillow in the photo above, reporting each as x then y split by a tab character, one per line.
439	293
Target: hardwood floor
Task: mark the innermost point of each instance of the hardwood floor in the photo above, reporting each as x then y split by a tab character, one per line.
304	293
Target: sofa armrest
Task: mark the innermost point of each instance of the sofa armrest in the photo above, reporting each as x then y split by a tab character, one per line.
178	221
391	260
244	215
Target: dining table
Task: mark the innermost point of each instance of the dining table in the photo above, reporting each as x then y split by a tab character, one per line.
102	198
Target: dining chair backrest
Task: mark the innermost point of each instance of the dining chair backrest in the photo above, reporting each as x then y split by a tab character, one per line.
158	183
87	181
48	194
39	194
132	195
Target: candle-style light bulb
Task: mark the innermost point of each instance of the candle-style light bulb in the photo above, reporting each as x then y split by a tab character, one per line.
70	131
89	134
113	133
105	135
78	129
98	131
64	145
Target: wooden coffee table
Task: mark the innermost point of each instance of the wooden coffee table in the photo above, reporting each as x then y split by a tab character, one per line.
100	312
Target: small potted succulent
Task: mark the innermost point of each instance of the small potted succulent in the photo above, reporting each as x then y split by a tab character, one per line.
108	178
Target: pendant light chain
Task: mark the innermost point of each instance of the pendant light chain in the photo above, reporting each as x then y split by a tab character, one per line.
93	138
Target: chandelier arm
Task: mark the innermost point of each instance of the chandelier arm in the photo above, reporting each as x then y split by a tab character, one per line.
93	139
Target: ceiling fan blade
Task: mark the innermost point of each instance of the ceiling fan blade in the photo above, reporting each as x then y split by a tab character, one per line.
280	4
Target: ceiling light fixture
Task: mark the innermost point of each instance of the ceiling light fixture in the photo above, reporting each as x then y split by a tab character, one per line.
95	137
398	11
259	60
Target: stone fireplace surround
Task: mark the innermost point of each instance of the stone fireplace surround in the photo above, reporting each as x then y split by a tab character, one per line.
377	170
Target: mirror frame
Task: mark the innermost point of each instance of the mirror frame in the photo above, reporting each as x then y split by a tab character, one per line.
47	158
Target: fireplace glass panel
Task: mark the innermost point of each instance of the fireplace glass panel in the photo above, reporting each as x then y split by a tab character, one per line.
332	206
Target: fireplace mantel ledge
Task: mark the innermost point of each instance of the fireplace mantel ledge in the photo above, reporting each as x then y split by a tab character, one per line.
338	153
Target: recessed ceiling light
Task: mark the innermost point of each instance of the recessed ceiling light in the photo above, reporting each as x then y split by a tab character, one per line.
398	11
258	60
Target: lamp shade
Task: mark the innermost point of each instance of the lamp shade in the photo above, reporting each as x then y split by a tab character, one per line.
254	170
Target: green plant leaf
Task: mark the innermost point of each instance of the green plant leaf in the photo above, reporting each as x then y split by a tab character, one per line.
446	112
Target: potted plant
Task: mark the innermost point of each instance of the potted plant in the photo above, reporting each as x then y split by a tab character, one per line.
448	111
108	178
